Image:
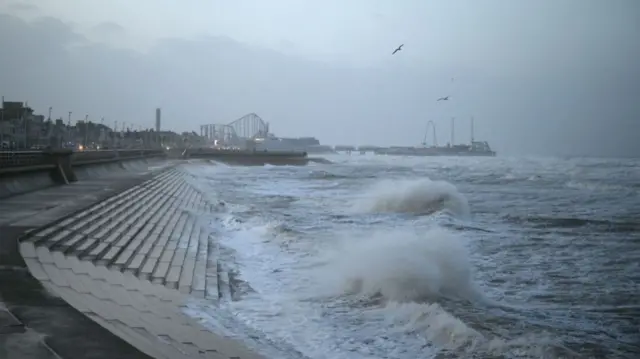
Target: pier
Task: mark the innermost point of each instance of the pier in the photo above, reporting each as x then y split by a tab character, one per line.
252	157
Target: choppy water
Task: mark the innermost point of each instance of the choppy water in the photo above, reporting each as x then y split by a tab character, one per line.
390	257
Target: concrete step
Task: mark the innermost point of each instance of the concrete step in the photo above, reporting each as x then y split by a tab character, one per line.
88	216
198	285
149	230
211	275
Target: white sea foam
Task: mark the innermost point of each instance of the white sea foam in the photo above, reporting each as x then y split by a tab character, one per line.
402	266
418	196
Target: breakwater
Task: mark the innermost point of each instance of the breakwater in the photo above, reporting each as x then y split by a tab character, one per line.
252	157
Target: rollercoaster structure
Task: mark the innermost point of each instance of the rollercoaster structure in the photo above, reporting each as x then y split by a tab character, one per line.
432	125
236	133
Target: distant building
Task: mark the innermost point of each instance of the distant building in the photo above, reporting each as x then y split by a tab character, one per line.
14	110
15	124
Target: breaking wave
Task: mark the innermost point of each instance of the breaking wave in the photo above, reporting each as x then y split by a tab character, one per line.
412	281
400	281
404	266
421	196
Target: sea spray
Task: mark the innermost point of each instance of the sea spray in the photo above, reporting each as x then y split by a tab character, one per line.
417	196
401	265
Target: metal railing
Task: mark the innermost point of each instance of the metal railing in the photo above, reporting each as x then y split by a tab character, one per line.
22	159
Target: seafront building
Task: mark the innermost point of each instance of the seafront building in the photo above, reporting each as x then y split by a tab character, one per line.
22	129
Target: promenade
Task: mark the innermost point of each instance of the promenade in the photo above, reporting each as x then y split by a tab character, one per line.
103	267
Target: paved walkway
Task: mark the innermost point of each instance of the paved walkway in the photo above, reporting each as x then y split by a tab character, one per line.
130	264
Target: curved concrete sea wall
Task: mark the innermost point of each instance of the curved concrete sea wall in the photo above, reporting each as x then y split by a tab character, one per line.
22	172
102	169
24	182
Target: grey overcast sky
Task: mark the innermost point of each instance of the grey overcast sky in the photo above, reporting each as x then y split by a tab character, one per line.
540	77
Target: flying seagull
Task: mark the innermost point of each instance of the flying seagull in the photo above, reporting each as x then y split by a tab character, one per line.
443	98
398	49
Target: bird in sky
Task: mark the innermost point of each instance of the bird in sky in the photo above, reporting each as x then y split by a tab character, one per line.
443	98
398	49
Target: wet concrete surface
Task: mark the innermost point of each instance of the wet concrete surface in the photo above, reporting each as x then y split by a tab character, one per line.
43	325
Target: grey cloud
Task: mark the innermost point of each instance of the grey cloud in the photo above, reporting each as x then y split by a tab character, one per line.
23	7
217	79
108	28
109	33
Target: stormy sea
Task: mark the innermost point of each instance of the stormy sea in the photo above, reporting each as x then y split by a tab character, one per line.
408	257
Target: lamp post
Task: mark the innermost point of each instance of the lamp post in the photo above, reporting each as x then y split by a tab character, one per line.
115	133
103	133
68	129
24	126
86	131
49	127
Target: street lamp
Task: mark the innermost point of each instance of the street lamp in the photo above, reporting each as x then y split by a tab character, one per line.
115	133
67	131
24	125
102	133
86	130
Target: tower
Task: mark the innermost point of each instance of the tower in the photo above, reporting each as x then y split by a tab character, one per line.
158	119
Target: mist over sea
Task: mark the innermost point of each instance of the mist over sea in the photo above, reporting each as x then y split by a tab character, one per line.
405	258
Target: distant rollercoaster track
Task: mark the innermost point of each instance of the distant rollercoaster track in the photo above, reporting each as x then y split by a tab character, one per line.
236	132
250	126
426	132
